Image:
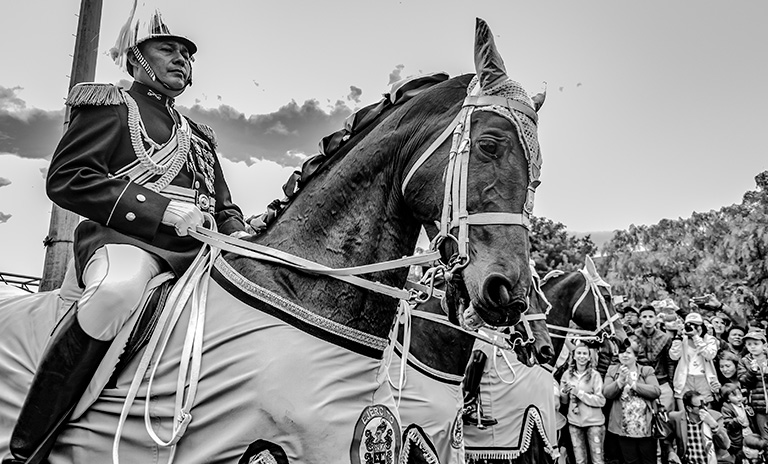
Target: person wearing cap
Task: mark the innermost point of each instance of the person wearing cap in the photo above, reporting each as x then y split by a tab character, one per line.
694	352
752	376
631	318
142	175
653	346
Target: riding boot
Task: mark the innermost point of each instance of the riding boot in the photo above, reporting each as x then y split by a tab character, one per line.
473	411
64	372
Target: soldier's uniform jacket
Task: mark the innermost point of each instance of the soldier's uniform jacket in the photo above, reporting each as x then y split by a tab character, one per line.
97	145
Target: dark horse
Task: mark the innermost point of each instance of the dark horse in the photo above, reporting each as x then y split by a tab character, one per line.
288	361
430	393
584	298
581	297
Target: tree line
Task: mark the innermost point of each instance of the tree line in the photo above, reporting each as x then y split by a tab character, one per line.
721	252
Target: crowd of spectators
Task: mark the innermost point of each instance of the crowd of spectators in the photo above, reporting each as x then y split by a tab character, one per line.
707	373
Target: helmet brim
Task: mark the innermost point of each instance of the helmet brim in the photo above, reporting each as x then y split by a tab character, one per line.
191	47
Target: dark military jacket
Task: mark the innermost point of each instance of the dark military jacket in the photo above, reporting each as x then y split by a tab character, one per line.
97	144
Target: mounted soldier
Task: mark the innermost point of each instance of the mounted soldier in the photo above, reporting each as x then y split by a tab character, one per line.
142	175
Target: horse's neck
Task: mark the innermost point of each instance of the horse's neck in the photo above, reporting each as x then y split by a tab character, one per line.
440	347
347	216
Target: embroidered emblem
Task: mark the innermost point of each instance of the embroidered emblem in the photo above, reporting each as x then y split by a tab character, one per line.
457	432
152	93
376	439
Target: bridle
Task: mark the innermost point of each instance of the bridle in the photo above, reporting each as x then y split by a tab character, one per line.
488	334
454	211
592	287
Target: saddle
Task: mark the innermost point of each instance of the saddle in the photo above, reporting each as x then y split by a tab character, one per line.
145	326
129	341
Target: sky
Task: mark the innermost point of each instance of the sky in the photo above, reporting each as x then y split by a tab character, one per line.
654	109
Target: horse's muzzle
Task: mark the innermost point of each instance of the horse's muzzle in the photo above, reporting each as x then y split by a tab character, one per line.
504	316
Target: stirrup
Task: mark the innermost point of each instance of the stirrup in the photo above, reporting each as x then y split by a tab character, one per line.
470	416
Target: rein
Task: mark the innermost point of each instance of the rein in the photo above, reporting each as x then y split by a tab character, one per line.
591	286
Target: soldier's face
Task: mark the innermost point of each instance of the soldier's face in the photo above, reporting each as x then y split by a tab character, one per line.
171	62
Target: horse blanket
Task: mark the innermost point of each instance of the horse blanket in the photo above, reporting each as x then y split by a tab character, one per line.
261	379
433	400
522	399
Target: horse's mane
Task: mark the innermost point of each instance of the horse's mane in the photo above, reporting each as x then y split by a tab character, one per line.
417	111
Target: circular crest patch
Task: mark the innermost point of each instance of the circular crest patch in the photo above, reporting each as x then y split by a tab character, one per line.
376	438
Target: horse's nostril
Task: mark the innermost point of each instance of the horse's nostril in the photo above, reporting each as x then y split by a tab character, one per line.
520	306
547	352
497	290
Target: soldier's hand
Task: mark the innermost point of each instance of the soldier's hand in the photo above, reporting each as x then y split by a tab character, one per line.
182	217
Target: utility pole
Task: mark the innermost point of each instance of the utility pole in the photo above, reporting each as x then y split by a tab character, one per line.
61	230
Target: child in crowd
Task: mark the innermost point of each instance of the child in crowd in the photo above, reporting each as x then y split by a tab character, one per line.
735	419
582	388
754	449
752	369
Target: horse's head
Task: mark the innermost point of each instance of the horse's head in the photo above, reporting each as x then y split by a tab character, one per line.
475	195
593	306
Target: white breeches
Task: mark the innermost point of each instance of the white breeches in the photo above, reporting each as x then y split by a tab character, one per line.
115	279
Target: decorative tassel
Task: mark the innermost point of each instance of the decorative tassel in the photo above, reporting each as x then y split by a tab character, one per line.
90	93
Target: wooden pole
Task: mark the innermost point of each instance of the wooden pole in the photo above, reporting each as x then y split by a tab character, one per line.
62	226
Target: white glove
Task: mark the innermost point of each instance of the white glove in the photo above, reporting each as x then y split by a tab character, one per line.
182	216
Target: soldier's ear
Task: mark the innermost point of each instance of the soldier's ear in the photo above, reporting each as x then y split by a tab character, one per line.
133	62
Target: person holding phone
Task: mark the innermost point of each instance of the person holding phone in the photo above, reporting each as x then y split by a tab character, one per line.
694	350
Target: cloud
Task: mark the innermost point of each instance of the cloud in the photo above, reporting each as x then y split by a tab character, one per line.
27	132
4	217
354	93
284	137
4	182
394	76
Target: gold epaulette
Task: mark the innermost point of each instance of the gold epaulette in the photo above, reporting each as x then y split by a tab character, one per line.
209	134
91	93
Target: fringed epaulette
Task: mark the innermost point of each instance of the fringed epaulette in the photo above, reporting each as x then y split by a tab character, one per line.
90	93
207	132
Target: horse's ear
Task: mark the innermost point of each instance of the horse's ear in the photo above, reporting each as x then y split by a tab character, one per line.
489	66
590	267
538	99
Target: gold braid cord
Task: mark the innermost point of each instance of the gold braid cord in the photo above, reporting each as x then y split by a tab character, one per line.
169	170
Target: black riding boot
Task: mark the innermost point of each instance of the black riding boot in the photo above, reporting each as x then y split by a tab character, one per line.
64	372
473	410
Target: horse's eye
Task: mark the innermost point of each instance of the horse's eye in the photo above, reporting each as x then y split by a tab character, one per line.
490	147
